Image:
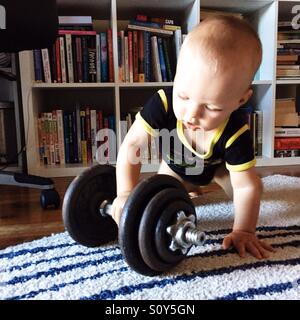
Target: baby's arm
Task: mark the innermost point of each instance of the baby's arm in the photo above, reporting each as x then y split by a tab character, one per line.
247	190
128	166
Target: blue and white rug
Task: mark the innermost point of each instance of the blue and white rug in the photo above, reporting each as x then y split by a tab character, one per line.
57	268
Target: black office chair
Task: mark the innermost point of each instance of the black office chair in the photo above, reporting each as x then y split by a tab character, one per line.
27	25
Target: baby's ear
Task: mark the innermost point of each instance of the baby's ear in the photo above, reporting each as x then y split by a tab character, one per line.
247	95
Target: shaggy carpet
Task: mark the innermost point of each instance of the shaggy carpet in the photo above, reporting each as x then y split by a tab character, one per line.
57	268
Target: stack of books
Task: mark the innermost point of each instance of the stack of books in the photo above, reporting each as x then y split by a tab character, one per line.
288	50
287	131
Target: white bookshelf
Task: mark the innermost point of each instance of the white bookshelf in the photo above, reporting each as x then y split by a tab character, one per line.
120	97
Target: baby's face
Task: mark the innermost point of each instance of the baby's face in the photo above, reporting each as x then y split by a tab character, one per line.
203	96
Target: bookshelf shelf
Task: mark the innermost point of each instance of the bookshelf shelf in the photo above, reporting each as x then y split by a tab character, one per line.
289	81
119	97
145	84
73	85
262	82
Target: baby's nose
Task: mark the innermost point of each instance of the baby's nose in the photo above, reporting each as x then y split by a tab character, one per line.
193	120
193	115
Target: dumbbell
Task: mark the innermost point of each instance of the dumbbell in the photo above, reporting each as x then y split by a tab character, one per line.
157	226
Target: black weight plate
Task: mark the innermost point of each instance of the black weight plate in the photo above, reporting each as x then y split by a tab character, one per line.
131	216
81	206
153	211
162	238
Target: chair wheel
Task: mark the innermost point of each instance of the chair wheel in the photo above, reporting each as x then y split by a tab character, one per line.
49	198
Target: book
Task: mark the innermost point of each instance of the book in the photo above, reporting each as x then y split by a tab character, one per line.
38	65
130	56
155	59
46	65
77	32
157	31
62	60
162	61
69	54
103	56
287	132
60	135
286	153
287	57
141	56
287	105
286	143
110	55
290	72
75	20
207	13
83	138
289	119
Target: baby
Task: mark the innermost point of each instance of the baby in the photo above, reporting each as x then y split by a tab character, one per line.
215	69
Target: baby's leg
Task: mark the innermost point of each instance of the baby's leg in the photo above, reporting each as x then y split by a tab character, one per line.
193	190
222	178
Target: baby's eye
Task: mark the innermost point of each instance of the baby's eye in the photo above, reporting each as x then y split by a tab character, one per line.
183	96
212	108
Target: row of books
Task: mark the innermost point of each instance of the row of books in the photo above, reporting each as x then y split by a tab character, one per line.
71	136
288	51
143	57
79	54
76	56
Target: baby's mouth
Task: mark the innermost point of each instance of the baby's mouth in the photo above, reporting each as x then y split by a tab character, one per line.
191	126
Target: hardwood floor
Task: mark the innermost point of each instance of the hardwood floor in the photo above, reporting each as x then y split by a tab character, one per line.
22	218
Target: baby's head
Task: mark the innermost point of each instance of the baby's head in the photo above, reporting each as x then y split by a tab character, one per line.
215	69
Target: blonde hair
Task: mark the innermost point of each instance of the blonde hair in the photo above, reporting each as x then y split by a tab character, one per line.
224	40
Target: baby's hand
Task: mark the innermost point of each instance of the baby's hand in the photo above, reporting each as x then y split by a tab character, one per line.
117	207
246	241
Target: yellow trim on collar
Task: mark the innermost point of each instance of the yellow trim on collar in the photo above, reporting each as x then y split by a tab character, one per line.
146	125
231	140
214	140
163	98
241	167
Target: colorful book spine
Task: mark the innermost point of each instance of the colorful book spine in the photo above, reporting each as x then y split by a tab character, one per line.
62	60
147	60
83	138
104	61
69	55
85	59
98	59
79	59
287	143
38	65
46	65
110	56
60	134
163	67
92	61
